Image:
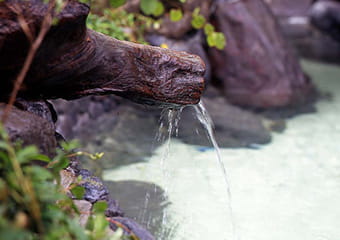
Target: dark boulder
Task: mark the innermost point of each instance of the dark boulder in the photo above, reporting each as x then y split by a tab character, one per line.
30	129
124	131
308	41
325	15
130	227
257	67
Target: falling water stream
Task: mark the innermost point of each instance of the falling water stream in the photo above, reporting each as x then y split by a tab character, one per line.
205	119
169	119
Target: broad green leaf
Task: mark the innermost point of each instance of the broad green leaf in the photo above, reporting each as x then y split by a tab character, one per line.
148	6
99	225
4	145
27	154
39	173
159	9
216	39
176	15
42	157
209	29
117	3
78	192
211	40
198	21
220	41
68	146
59	162
100	207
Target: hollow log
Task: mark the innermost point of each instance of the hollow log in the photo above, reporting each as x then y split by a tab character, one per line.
73	61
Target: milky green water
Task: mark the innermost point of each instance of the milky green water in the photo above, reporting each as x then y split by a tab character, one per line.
287	190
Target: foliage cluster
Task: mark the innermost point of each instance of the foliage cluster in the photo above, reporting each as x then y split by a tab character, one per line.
34	204
131	26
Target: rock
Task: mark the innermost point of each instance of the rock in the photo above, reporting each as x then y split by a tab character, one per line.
94	187
295	21
86	117
30	129
130	228
43	109
113	209
289	8
73	62
233	126
325	15
125	132
84	207
144	202
180	28
257	67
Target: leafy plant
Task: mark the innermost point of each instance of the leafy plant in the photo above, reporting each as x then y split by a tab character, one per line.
132	26
120	24
34	204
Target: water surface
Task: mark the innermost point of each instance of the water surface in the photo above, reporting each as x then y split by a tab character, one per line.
286	190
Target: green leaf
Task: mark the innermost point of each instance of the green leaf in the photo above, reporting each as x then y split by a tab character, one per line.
220	41
68	146
39	173
159	9
211	40
216	39
196	11
4	158
209	29
100	207
4	145
176	15
27	154
78	192
59	162
198	21
182	1
148	6
117	3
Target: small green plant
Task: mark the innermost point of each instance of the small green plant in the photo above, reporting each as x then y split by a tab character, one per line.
34	204
120	24
132	26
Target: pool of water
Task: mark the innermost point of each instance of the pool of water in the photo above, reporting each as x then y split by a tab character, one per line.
286	190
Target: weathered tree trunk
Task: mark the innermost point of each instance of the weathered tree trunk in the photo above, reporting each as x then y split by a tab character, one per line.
73	62
256	68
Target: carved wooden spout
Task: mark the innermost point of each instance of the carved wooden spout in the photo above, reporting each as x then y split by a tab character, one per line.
73	62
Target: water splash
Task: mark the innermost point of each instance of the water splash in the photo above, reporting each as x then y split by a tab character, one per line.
169	125
205	119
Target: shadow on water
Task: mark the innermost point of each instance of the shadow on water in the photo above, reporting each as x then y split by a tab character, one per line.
144	202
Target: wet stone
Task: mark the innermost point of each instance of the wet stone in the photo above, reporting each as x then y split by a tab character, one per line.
130	227
94	187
